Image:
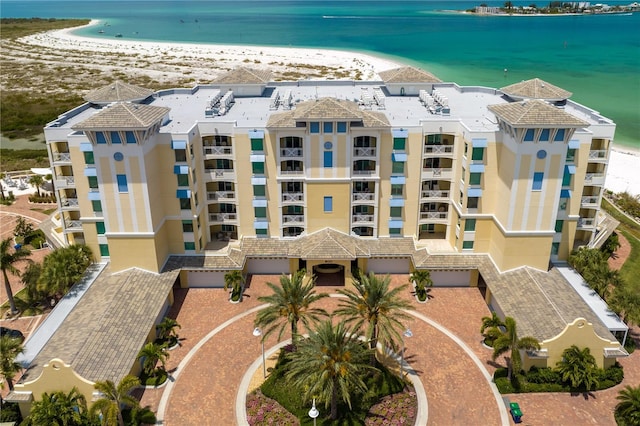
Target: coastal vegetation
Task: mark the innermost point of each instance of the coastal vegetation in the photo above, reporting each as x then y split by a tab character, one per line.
553	8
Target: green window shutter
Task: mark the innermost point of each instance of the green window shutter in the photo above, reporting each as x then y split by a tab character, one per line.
189	245
475	178
477	154
187	226
395	212
100	228
89	158
470	225
399	143
93	182
259	190
183	180
559	224
256	144
467	245
260	212
261	232
258	168
104	249
397	167
96	205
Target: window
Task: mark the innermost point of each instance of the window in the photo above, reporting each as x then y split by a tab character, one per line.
544	135
185	203
328	204
571	155
314	127
115	137
399	143
554	249
260	212
104	249
183	180
566	178
122	183
528	135
181	155
475	178
100	228
395	231
328	159
342	127
477	154
559	224
100	138
466	149
467	245
472	202
257	168
261	232
434	139
559	137
96	205
469	225
397	167
256	145
327	127
130	137
187	226
563	203
397	189
259	190
395	212
88	157
537	181
93	182
189	245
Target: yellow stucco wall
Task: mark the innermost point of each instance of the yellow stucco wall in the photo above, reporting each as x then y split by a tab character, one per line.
509	252
134	252
317	218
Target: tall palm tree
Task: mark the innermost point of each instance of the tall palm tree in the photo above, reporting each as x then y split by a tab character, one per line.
233	280
508	341
8	259
290	303
167	330
376	309
422	279
602	279
151	354
578	367
60	409
628	409
491	328
329	365
113	398
62	268
10	348
37	181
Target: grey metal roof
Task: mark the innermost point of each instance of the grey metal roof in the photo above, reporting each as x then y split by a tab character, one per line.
124	115
242	75
408	75
536	89
118	92
535	113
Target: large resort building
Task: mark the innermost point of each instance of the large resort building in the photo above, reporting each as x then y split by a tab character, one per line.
482	187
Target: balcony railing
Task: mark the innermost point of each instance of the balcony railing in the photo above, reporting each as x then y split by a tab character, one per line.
589	200
69	203
437	172
218	150
291	152
598	155
364	151
434	215
438	149
293	218
364	172
216	174
221	195
362	218
65	182
292	197
364	196
61	157
72	225
586	223
594	178
222	217
292	172
435	194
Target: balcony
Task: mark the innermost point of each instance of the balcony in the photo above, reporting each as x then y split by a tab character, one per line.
291	152
221	195
292	218
220	174
72	225
63	182
364	152
359	219
292	197
223	217
290	172
598	156
587	223
438	150
434	217
363	197
69	203
218	151
61	158
433	195
437	173
590	201
594	179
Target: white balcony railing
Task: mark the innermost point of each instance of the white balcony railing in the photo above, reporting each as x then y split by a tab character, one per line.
586	223
65	182
223	217
218	150
435	194
293	218
589	200
70	225
364	151
221	195
217	174
434	215
438	149
61	157
598	155
292	197
364	172
291	152
437	172
364	196
362	218
594	178
292	172
69	202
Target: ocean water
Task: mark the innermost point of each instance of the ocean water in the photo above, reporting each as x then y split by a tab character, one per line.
595	57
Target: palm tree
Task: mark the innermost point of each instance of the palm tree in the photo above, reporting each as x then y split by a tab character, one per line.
167	330
423	280
233	280
290	302
578	367
59	408
377	308
8	259
628	409
10	348
63	268
329	365
508	341
491	328
151	354
113	398
37	181
602	279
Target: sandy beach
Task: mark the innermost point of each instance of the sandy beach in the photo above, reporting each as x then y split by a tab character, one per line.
200	63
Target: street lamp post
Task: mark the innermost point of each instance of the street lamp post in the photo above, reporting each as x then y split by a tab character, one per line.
407	333
258	332
314	413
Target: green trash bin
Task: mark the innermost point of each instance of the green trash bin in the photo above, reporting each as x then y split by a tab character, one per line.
515	411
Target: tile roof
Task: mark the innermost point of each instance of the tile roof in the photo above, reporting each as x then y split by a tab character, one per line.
325	109
536	89
242	75
118	92
102	335
124	115
535	113
408	75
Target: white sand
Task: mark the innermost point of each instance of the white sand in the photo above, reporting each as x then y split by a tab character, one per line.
206	61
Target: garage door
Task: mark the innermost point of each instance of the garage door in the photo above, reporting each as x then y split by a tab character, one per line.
205	279
451	278
268	266
388	266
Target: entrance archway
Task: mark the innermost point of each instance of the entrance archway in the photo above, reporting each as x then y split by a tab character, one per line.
329	274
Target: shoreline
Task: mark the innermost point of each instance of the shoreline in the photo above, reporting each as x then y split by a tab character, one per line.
623	163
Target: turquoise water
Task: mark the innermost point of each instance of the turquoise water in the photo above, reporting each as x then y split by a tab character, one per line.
595	57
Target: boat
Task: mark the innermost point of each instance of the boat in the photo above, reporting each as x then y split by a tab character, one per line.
118	35
101	31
